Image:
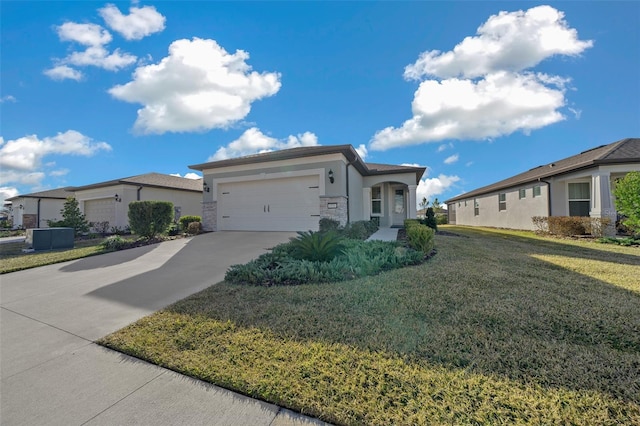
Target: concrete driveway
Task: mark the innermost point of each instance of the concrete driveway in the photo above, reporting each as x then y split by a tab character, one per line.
52	373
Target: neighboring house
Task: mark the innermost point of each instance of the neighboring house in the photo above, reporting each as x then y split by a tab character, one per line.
36	209
581	185
292	189
109	201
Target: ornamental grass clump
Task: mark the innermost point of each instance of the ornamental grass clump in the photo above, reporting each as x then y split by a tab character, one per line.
421	238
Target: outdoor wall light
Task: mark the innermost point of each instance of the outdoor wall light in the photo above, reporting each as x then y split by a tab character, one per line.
21	207
331	179
205	187
117	198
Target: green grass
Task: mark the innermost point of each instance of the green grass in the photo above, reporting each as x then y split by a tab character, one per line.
499	327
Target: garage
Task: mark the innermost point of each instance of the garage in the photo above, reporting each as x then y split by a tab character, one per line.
285	204
100	210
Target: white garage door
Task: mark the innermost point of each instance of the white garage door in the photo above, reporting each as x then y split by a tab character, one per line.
101	210
287	204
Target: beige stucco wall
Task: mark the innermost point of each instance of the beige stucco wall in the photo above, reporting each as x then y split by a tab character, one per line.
49	210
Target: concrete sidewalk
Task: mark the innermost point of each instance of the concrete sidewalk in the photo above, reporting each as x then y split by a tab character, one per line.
385	234
52	373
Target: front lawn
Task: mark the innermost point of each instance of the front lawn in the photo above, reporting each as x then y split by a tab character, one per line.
499	327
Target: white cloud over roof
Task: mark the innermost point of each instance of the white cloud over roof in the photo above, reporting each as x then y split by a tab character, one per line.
253	141
482	88
21	159
199	86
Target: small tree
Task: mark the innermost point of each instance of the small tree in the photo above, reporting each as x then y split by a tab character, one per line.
430	219
424	203
150	218
436	204
72	217
627	193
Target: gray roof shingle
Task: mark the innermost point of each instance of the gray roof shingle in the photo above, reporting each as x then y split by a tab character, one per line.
622	151
59	193
156	180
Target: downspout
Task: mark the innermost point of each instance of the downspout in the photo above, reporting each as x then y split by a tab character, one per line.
138	194
347	192
548	195
38	215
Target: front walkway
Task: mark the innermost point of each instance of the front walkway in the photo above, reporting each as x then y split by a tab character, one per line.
51	371
385	234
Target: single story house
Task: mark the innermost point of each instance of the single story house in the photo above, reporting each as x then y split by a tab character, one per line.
292	189
36	209
581	185
109	201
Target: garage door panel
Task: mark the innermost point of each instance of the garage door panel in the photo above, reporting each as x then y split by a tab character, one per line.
100	210
287	204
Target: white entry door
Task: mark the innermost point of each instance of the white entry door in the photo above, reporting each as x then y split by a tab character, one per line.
285	204
398	207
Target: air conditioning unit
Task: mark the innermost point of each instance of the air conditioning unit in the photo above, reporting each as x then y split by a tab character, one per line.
50	238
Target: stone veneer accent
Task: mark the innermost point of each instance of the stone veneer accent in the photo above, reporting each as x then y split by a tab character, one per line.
210	216
339	213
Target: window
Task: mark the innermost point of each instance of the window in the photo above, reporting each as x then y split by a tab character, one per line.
536	191
579	199
476	207
465	203
502	201
522	194
376	200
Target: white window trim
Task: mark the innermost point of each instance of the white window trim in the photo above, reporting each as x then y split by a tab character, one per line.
579	199
381	199
501	203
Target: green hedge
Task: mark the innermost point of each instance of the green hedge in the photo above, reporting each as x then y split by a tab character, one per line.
150	218
186	220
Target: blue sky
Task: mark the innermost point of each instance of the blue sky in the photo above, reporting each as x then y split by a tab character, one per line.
475	91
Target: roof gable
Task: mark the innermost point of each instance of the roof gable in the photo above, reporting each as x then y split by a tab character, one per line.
622	151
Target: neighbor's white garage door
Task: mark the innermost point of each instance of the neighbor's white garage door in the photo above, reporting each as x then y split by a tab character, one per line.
101	210
287	204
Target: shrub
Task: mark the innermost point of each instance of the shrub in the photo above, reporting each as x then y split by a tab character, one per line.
627	193
566	226
120	231
194	228
627	241
360	230
541	224
317	246
100	227
596	226
186	220
150	218
421	238
327	225
360	258
430	219
114	242
56	223
442	219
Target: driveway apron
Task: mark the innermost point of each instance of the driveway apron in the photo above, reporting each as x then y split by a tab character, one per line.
52	373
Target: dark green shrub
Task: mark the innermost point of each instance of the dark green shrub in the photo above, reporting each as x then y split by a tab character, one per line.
114	242
442	219
56	223
430	219
356	230
120	231
194	228
327	225
317	246
186	220
626	241
421	238
627	193
150	218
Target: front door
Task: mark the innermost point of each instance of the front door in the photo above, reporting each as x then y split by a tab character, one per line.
398	211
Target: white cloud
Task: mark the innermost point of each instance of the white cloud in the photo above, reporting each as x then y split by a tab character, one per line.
63	72
362	151
511	41
141	21
100	57
7	192
430	187
445	146
187	175
85	34
199	86
20	158
469	163
451	159
411	164
7	98
253	141
61	172
481	89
